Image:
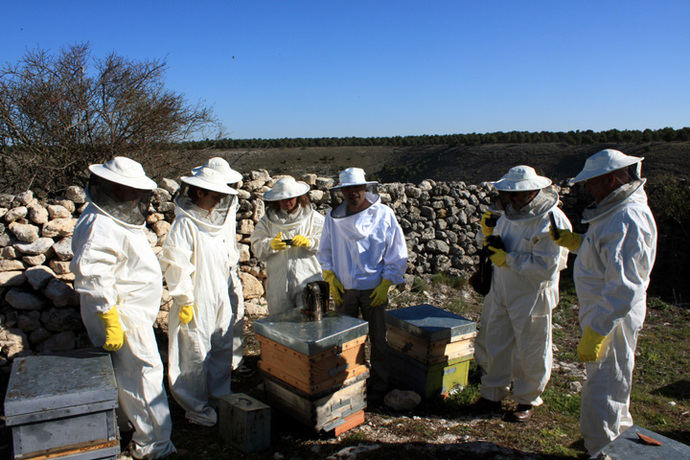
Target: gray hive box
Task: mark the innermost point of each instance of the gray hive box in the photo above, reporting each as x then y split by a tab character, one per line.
63	406
310	337
628	446
244	422
430	323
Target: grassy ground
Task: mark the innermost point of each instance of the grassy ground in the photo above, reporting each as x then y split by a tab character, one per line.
448	428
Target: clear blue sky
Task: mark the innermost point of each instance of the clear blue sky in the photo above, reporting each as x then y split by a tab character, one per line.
383	68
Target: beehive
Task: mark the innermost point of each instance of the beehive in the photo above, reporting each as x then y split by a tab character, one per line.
63	406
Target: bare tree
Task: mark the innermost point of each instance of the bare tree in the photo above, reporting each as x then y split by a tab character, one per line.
58	113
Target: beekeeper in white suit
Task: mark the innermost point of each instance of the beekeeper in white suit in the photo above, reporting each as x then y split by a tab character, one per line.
515	332
119	282
363	253
287	238
614	260
232	177
196	264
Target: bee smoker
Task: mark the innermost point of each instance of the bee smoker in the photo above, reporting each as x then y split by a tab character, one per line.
316	296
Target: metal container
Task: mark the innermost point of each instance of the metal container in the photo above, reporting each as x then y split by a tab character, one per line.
316	297
244	422
628	446
63	406
310	337
431	323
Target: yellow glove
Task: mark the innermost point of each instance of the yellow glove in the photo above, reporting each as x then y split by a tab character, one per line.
498	256
380	294
486	228
186	314
335	286
589	347
277	243
566	238
114	337
300	241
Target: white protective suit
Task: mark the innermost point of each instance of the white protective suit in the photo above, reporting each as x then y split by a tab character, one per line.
514	341
611	276
114	265
288	271
196	265
363	248
235	286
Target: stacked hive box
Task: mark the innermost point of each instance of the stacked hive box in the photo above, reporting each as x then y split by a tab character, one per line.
63	407
315	370
430	349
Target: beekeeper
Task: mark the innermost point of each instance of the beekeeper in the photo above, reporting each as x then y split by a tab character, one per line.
233	177
362	254
515	332
120	285
287	238
611	273
196	264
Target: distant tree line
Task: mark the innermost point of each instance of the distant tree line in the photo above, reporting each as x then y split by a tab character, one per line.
511	137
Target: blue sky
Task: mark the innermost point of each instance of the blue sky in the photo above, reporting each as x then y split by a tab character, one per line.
383	68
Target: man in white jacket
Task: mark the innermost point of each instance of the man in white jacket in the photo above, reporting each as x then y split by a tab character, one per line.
614	260
362	254
515	334
287	238
119	282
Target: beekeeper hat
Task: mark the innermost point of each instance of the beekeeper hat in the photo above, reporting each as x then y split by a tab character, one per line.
286	188
222	166
350	177
520	179
209	179
604	162
124	171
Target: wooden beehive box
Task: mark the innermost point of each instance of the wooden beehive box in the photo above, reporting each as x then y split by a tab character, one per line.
334	412
428	380
429	334
314	357
63	406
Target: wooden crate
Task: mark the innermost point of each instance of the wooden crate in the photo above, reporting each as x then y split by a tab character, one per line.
317	373
427	352
428	380
326	413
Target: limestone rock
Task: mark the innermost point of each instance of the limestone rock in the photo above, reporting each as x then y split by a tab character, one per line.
64	341
246	227
40	246
309	179
255	308
32	261
29	321
161	195
25	233
260	174
13	342
63	249
11	265
38	277
154	217
245	255
21	299
402	400
61	319
259	211
243	194
170	185
12	278
39	335
324	183
59	227
58	211
251	287
75	194
61	294
15	214
161	228
25	197
4	239
161	322
316	196
68	205
38	214
59	267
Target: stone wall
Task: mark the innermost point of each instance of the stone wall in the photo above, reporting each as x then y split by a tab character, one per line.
39	310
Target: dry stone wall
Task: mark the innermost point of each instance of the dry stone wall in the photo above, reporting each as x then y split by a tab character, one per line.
39	309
